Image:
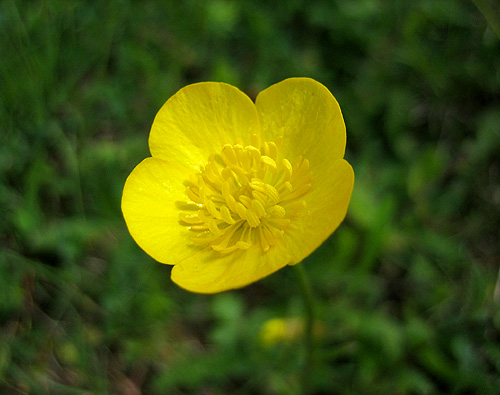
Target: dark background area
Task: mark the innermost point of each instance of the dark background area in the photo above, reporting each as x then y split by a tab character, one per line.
407	288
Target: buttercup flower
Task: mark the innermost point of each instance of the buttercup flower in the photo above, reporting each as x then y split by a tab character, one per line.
277	330
234	190
282	330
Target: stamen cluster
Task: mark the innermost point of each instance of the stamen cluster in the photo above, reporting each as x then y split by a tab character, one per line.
245	196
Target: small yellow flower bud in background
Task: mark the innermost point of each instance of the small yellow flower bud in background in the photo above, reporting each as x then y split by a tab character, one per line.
286	330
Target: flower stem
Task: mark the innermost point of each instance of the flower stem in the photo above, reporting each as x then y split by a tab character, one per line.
307	296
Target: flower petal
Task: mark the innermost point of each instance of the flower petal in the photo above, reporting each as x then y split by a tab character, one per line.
199	119
308	117
210	271
327	202
150	202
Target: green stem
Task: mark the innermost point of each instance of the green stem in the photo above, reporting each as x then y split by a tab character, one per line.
307	296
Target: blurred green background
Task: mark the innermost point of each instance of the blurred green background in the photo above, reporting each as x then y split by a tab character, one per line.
407	288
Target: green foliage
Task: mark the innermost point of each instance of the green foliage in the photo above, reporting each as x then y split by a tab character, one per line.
407	288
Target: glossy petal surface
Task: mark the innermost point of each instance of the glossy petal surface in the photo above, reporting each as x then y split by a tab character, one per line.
199	119
327	204
150	206
209	271
308	117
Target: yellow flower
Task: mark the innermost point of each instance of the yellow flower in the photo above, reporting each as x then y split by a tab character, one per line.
234	190
283	330
278	330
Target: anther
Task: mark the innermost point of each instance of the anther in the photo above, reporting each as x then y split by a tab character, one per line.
269	161
245	197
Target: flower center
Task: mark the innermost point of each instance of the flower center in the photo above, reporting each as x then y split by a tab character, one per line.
245	196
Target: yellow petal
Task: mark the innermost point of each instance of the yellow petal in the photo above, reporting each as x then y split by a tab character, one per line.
307	116
199	120
326	207
210	271
150	202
